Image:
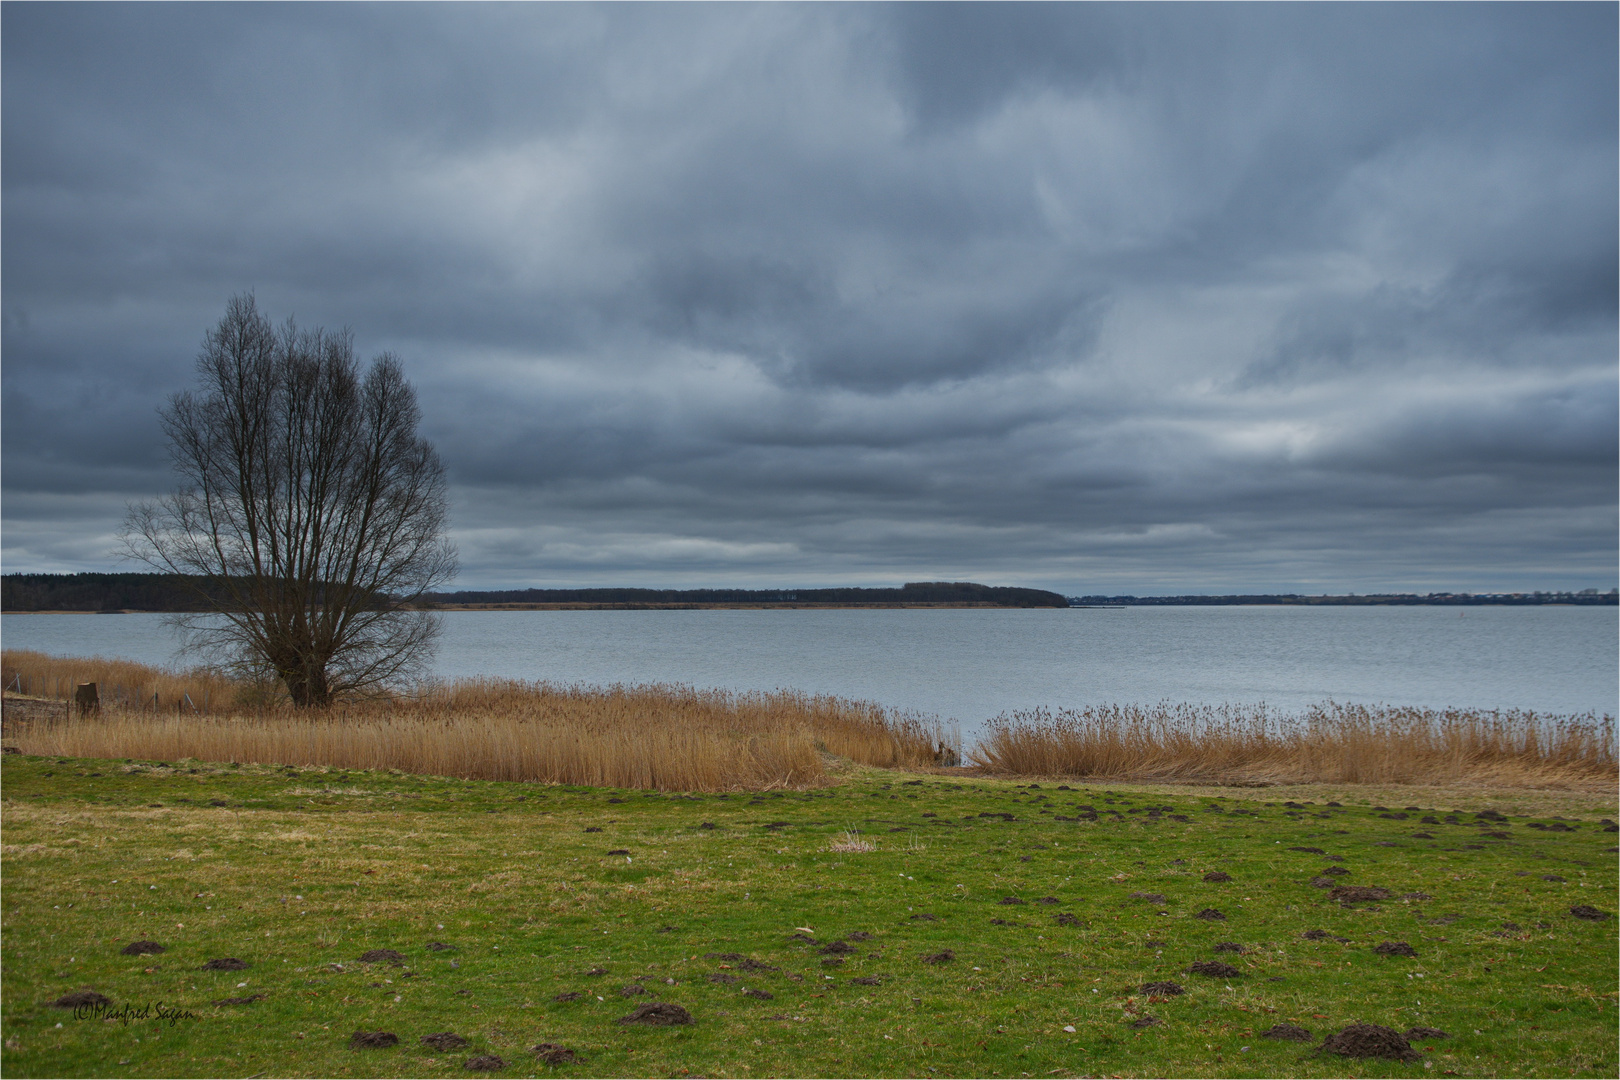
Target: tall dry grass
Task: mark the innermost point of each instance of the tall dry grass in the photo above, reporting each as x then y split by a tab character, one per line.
121	683
659	736
1329	743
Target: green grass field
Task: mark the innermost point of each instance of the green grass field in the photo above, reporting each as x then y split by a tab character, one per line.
299	873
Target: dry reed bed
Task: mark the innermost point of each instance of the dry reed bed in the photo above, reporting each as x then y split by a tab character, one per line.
658	736
1332	743
121	683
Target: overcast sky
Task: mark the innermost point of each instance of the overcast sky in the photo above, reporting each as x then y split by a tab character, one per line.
1145	299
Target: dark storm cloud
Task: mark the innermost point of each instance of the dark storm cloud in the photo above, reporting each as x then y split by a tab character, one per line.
1157	297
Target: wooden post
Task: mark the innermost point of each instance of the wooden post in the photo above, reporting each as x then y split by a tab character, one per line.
87	698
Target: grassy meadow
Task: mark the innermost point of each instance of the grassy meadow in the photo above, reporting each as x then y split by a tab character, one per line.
796	926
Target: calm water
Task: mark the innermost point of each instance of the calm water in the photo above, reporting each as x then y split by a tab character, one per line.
970	665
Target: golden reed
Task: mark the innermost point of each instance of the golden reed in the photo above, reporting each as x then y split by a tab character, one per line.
1332	743
659	736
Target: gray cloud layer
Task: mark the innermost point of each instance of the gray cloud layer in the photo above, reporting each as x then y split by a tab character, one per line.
1141	298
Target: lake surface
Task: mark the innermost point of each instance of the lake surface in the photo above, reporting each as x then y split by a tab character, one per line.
972	664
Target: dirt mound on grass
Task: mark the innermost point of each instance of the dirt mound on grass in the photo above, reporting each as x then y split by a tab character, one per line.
1395	948
1150	897
1065	919
1228	946
141	948
79	999
1358	894
1217	876
226	963
1369	1041
1209	914
1421	1032
554	1053
572	995
867	980
1289	1032
250	999
1163	989
1335	871
1215	969
943	957
836	948
763	995
658	1014
382	956
439	946
372	1039
633	990
485	1063
1145	1022
1587	911
444	1040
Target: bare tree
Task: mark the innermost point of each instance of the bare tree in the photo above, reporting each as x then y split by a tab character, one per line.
309	514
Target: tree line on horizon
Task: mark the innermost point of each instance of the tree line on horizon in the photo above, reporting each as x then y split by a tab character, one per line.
176	593
1585	596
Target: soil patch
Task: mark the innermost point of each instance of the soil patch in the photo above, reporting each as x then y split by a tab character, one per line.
250	999
485	1063
1357	894
439	946
658	1014
632	990
382	956
1424	1033
444	1040
1217	875
1209	914
1163	989
141	948
763	995
80	999
1215	969
372	1039
1150	897
923	916
1065	919
554	1053
595	971
226	963
836	948
1145	1022
1395	948
1228	946
944	957
1009	900
1335	871
867	980
1369	1040
572	995
1587	911
1290	1032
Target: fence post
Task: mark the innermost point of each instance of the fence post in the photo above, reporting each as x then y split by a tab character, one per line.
85	696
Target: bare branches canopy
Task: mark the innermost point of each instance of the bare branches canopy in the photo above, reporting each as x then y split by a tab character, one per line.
309	512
